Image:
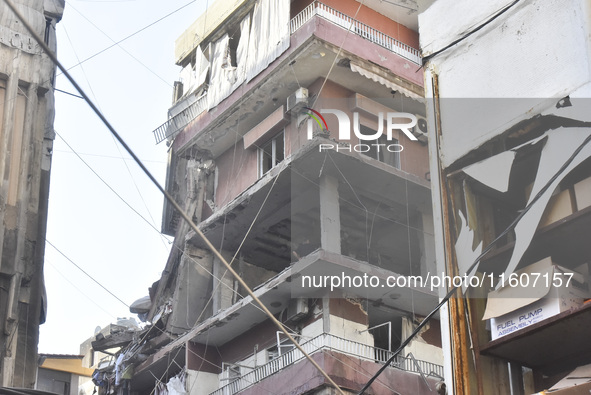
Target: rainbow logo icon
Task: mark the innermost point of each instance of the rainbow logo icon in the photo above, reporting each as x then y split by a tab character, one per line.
315	115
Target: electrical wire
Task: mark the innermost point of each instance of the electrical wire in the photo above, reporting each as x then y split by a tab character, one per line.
78	289
203	360
118	44
131	35
108	186
354	205
105	156
139	192
86	273
362	372
82	68
67	93
135	211
220	280
338	53
166	370
171	200
488	248
145	220
471	32
164	241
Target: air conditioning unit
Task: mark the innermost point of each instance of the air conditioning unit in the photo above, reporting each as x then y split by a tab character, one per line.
297	100
297	309
420	129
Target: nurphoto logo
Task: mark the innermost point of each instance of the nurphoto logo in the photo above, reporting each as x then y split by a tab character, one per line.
394	121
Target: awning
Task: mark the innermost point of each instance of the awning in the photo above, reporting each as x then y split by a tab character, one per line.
390	84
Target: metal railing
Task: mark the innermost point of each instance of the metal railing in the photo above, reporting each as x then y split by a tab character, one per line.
328	342
356	27
176	123
179	121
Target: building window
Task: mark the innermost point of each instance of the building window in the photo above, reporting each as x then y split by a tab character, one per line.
278	350
47	30
271	153
384	150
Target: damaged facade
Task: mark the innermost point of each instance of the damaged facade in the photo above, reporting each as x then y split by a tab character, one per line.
282	198
508	109
26	139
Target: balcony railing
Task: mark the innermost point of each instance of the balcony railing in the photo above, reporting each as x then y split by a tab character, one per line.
179	121
356	27
175	124
329	342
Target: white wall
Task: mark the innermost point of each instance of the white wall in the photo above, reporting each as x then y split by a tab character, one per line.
350	330
201	383
538	49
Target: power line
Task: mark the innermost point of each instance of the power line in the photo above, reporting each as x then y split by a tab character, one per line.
238	250
68	93
108	186
498	14
105	156
116	43
488	248
77	289
131	35
170	199
88	275
145	220
72	151
338	53
96	99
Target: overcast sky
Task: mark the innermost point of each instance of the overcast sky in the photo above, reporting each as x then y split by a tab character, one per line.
132	85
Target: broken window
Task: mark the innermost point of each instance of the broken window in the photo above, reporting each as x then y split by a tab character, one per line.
271	153
228	62
493	192
233	48
47	30
194	75
281	347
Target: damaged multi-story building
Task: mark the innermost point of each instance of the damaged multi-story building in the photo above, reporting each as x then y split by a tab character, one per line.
508	85
26	138
297	145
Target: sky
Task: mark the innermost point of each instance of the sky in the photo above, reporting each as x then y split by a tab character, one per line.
131	84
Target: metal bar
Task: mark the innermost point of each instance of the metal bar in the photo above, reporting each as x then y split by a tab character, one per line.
412	358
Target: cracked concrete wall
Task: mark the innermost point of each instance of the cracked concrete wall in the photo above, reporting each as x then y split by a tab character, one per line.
191	298
26	139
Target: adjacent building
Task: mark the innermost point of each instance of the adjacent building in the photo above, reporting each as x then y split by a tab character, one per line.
26	138
297	144
62	374
508	86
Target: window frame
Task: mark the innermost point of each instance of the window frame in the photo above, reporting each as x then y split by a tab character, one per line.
261	153
377	154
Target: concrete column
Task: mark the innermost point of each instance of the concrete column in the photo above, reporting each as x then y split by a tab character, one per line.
191	303
427	244
223	287
330	218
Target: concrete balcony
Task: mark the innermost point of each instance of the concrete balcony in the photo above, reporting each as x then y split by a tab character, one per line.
302	27
339	345
354	27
